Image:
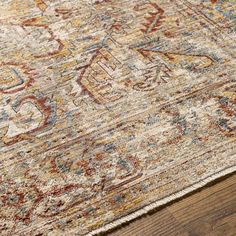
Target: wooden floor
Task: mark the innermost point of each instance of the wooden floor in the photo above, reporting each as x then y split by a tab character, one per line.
210	211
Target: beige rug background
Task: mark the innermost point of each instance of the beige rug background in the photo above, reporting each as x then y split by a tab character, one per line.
111	108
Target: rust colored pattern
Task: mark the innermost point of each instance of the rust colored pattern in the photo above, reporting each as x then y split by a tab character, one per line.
109	108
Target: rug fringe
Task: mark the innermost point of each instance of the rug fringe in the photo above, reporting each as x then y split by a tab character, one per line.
161	202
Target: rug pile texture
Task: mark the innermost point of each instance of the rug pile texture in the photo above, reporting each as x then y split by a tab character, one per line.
110	108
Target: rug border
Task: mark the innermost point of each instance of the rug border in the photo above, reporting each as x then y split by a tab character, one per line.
144	210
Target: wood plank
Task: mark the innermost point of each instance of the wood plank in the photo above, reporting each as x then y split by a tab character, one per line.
149	225
210	211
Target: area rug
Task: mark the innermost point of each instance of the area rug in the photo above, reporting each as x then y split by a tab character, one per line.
110	108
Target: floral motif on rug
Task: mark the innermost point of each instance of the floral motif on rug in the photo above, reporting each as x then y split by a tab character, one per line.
110	108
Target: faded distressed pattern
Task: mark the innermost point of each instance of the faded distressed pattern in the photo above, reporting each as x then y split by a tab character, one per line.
107	106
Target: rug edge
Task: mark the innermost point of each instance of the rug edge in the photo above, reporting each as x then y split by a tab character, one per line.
144	210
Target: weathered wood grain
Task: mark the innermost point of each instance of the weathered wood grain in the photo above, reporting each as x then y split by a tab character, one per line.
210	211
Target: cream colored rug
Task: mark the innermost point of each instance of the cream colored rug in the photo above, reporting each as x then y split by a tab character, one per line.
110	108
